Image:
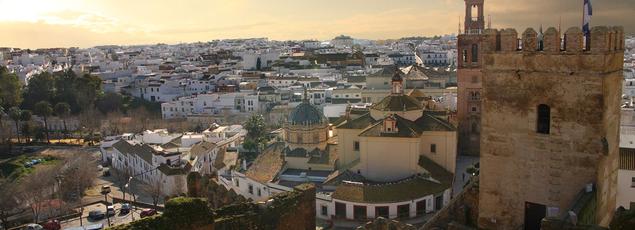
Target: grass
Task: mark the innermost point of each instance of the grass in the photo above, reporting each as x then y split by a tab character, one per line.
15	169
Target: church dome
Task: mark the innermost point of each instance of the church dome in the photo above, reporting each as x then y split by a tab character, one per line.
306	114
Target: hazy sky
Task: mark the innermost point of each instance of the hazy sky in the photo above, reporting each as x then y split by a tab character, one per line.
84	23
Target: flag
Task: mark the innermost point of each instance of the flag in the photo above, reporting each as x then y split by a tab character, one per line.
588	12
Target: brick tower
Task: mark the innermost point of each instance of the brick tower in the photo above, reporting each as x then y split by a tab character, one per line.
550	125
469	78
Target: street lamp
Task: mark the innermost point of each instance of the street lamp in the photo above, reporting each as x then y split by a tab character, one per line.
135	200
105	192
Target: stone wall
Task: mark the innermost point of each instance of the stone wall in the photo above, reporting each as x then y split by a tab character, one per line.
581	88
462	210
284	211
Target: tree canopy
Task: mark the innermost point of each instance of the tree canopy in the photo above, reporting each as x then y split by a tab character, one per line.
10	89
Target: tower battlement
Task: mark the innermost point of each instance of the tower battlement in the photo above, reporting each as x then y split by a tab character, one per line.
602	40
506	50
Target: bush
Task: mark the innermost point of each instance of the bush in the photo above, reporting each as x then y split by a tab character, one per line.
188	211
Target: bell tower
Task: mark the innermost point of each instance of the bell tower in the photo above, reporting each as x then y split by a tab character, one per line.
474	18
469	78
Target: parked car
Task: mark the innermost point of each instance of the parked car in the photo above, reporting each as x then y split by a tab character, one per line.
125	209
148	212
52	225
33	227
105	188
110	210
96	215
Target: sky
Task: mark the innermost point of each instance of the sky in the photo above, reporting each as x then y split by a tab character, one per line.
87	23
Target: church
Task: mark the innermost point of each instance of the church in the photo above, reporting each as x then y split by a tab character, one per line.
395	159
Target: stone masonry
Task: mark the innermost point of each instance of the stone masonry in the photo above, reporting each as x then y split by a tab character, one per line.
582	91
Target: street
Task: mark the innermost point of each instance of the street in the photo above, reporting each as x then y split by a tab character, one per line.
117	219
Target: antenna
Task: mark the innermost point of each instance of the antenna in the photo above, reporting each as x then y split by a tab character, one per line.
489	21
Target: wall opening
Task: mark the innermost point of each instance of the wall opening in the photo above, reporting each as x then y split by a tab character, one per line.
544	119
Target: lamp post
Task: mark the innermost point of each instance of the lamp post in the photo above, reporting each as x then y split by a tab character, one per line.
132	203
105	192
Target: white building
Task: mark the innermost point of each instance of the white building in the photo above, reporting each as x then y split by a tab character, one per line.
626	172
210	104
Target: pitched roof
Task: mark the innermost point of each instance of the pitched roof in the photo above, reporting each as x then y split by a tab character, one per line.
429	122
142	150
170	170
357	123
268	164
405	128
202	148
409	189
398	102
174	143
415	72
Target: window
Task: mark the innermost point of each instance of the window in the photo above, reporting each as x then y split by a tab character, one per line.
464	56
421	207
356	145
340	210
251	189
474	53
324	210
381	211
237	184
633	182
403	211
433	148
438	203
473	108
544	119
359	212
259	192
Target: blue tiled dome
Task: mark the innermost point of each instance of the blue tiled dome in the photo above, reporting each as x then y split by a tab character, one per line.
306	114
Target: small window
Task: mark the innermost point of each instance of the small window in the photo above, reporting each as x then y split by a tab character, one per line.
633	182
259	192
473	108
544	119
356	145
324	210
251	189
433	148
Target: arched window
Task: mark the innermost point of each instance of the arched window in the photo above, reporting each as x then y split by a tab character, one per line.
544	119
474	53
464	56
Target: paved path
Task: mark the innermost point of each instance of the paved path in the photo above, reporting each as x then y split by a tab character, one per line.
461	177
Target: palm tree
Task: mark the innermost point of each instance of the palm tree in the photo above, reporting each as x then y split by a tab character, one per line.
15	114
62	110
43	109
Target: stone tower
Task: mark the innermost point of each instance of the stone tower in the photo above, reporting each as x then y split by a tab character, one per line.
469	78
550	124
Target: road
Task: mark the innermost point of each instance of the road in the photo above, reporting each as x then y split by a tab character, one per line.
115	220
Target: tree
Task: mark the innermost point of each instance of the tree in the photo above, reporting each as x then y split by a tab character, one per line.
25	117
8	202
10	88
43	109
16	114
256	130
80	173
34	189
155	189
109	102
63	110
41	87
